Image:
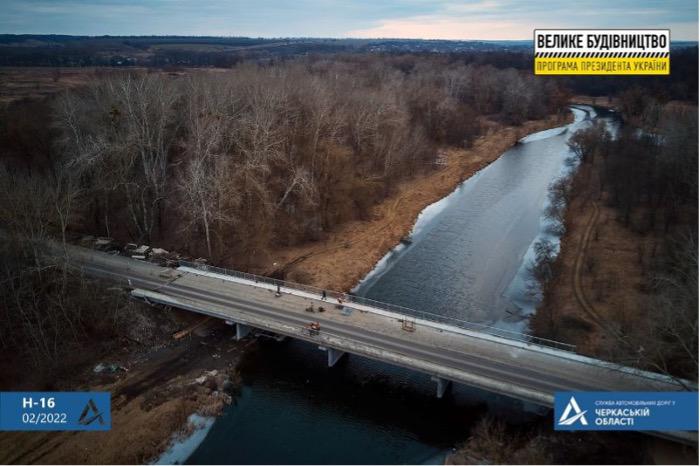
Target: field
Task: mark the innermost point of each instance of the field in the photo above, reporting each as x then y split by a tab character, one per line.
36	83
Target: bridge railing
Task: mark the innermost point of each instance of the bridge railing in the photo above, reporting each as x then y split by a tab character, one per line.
405	311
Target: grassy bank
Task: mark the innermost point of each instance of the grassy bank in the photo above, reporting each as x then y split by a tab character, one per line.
352	249
622	287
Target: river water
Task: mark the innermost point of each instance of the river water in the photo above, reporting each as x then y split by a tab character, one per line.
469	260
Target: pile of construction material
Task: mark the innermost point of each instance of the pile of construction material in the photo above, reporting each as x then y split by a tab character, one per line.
142	252
156	255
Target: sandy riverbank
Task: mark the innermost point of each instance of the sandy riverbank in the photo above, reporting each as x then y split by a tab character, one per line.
349	252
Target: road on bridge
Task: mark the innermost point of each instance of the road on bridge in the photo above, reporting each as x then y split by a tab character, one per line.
529	372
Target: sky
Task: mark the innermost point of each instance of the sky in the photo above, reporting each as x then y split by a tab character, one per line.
422	19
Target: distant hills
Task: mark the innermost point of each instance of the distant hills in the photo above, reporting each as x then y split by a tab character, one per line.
64	50
211	51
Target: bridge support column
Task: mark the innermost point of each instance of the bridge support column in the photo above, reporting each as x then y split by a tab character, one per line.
442	385
334	355
241	331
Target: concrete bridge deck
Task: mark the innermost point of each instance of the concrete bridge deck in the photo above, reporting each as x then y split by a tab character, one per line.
526	371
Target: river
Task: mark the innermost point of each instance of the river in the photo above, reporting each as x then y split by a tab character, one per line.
468	259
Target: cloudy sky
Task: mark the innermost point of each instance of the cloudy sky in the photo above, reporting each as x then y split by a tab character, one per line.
427	19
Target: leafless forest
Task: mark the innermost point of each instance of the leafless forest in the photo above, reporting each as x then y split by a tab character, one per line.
227	164
223	164
238	159
648	175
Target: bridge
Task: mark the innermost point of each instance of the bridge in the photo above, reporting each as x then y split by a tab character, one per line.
447	350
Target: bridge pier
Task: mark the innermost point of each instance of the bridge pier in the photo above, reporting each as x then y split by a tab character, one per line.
334	355
241	331
442	385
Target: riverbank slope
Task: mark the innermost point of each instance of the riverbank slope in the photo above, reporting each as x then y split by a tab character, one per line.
155	386
612	261
350	251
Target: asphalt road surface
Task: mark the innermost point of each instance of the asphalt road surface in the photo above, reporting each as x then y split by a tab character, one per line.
526	371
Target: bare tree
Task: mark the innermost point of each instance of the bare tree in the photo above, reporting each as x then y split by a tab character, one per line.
26	207
207	197
667	339
123	126
64	193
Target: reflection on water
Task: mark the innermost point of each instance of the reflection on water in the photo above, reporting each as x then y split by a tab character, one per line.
467	250
293	409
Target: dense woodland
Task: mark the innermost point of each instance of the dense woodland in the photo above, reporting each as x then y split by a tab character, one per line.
263	154
652	180
278	150
225	164
648	172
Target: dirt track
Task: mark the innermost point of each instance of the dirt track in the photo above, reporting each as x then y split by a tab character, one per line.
582	249
601	273
150	403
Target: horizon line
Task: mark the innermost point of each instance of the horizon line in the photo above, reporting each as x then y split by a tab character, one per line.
278	37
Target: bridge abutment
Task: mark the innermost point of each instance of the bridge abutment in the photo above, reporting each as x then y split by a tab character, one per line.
442	385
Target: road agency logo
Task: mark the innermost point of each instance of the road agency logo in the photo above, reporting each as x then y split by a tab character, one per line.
674	411
602	51
66	411
90	414
568	418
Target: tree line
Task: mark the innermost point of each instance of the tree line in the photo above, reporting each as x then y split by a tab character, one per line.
647	170
262	155
221	164
652	181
